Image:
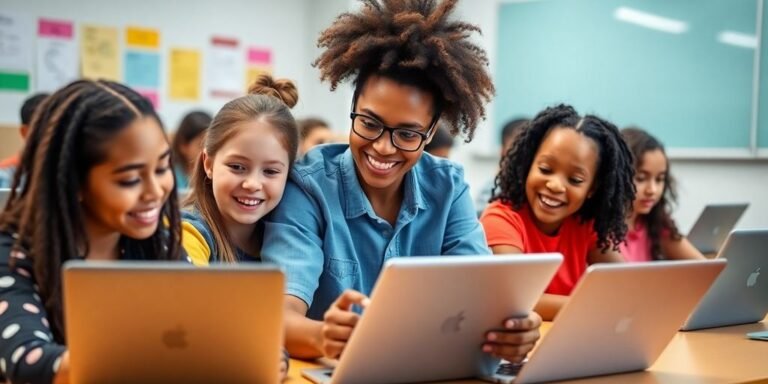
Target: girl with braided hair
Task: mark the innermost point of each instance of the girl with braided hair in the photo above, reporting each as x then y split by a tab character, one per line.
95	183
565	186
348	208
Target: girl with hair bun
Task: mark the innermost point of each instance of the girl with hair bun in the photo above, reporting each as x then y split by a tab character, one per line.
349	208
241	173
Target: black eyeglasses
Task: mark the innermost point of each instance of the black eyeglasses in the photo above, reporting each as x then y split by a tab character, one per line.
370	128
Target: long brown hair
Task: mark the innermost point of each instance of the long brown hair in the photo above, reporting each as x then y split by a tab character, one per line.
659	219
70	134
269	100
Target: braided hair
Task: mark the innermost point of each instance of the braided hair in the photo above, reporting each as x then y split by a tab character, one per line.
69	136
414	43
614	191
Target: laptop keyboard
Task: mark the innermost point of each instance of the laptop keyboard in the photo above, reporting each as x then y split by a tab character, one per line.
509	369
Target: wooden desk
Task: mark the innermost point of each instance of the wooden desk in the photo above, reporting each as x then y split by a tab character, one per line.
719	355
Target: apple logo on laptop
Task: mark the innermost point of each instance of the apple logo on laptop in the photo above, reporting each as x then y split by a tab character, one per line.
623	325
752	279
452	324
175	338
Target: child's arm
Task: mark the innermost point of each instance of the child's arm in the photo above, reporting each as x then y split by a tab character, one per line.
505	249
680	249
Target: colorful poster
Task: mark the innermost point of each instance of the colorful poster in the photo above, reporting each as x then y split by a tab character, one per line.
259	61
142	69
184	74
225	68
137	37
56	55
16	35
99	53
152	95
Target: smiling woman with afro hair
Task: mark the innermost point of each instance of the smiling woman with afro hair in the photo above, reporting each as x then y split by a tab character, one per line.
348	208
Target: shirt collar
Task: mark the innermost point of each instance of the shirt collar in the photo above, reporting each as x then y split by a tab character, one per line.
356	202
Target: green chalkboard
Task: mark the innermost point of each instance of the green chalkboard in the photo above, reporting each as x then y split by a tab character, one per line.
682	69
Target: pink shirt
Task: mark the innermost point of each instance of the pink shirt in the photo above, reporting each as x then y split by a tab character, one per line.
637	245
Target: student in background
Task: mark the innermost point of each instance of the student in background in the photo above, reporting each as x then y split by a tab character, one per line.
653	234
509	133
99	186
8	166
187	144
313	132
565	186
441	143
241	175
347	209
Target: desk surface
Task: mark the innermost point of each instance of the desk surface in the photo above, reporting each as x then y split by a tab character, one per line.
718	355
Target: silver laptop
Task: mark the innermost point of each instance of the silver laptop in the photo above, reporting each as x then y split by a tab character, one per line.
428	317
713	225
171	322
620	317
740	294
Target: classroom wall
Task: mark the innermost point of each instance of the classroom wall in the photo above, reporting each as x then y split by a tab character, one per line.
281	26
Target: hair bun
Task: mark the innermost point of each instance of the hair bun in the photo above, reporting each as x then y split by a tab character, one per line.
282	89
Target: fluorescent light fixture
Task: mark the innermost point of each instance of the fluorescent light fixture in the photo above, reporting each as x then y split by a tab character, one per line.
738	39
649	20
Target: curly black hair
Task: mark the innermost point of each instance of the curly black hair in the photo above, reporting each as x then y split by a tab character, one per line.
414	43
614	191
659	219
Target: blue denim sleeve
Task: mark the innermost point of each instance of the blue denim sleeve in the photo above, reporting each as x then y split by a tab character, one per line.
463	233
293	240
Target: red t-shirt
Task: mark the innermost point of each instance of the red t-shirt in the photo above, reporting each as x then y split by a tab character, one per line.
505	226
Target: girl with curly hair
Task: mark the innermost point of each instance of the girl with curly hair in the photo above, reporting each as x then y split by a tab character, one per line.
565	186
349	208
652	234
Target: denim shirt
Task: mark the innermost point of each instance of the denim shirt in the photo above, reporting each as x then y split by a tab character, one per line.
327	238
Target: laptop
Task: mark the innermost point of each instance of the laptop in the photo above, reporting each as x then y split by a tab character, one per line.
171	322
740	294
428	317
713	225
620	317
